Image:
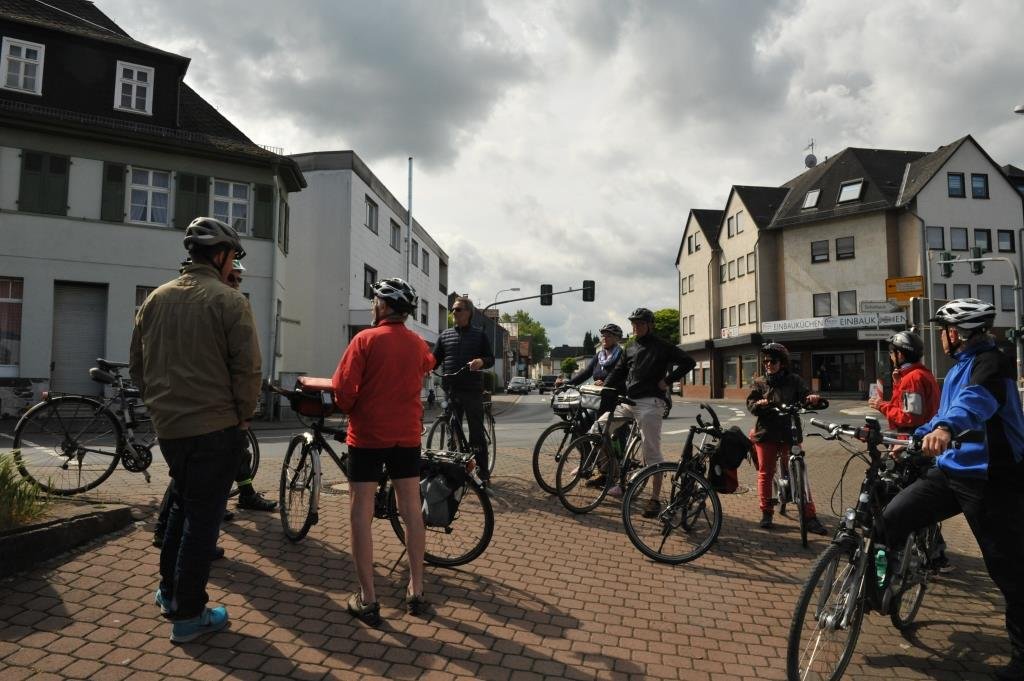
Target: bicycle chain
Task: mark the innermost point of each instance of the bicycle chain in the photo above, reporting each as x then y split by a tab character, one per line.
137	459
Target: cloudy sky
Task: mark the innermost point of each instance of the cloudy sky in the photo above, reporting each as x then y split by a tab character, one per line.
562	141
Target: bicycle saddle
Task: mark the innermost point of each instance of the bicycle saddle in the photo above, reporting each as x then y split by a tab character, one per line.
107	365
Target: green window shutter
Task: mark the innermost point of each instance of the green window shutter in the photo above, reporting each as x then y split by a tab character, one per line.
30	191
191	199
263	215
55	184
112	203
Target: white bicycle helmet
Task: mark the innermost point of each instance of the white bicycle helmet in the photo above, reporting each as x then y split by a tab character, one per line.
400	295
966	313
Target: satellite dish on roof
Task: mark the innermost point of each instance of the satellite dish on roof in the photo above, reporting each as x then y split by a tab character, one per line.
810	160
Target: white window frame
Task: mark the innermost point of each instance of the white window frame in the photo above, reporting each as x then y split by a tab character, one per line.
858	185
9	290
424	312
151	190
426	261
396	236
811	198
414	253
815	298
120	80
5	60
230	217
372	215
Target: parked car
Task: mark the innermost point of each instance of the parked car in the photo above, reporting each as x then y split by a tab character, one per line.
547	383
518	384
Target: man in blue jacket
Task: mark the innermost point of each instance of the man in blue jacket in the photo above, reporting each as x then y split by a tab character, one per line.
981	480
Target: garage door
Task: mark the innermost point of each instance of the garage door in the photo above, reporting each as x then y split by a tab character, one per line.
79	336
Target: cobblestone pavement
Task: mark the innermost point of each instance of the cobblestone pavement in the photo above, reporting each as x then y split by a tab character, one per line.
554	596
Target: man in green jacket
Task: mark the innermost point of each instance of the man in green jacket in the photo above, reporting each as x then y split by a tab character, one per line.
195	356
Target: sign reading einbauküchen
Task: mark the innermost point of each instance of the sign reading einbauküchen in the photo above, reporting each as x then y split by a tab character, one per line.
846	321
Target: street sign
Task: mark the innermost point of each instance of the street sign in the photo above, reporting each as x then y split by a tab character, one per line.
878	306
873	334
904	288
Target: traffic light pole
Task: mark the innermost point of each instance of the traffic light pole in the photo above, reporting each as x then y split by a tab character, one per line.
516	300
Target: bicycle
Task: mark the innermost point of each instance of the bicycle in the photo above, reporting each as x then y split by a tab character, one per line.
447	433
794	475
691	520
460	541
843	584
574	422
593	463
68	444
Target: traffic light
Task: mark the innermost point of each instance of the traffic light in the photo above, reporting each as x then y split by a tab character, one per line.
947	267
977	267
1011	335
545	293
588	290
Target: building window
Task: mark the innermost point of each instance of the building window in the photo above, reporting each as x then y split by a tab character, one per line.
748	368
424	312
987	292
822	304
11	293
731	230
847	302
690	282
979	186
44	183
751	263
685	324
371	215
751	312
414	253
141	293
689	244
1006	241
936	238
958	238
724	318
961	290
739	222
743	313
955	185
732	315
722	271
396	236
741	265
692	329
850	191
442	318
134	91
939	291
730	372
983	239
732	270
811	198
819	251
369	277
844	248
1006	296
696	242
22	66
682	286
231	204
149	194
442	276
426	262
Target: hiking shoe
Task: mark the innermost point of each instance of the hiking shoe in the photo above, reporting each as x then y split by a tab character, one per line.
941	564
652	508
598	482
767	521
615	491
158	539
229	516
212	619
1013	671
814	526
417	606
368	613
163	603
256	502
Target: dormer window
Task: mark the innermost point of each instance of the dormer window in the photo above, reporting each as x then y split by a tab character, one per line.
134	90
850	191
811	198
22	66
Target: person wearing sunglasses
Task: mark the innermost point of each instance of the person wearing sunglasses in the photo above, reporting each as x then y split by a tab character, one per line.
771	434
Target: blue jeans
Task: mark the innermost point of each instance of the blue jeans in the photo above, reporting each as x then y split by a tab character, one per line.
201	469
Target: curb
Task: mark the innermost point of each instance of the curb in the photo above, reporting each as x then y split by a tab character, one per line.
25	548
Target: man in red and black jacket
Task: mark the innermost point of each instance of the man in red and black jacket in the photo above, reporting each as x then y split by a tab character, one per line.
915	393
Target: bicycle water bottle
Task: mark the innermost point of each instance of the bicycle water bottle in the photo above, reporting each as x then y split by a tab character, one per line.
881	566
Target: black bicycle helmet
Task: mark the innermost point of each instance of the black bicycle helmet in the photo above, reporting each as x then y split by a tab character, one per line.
613	329
776	350
398	294
642	314
210	232
968	314
909	343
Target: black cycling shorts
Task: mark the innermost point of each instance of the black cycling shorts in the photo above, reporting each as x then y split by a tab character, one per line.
366	464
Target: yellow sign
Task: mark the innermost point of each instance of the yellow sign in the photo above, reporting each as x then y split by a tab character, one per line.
904	288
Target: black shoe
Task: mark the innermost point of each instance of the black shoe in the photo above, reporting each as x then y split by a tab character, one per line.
218	553
417	606
256	502
1013	671
158	539
229	516
814	526
766	520
941	564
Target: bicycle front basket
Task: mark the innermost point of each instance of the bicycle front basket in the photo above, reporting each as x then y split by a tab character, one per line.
313	398
597	398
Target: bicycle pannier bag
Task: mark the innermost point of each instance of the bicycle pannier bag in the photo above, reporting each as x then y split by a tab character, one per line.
733	448
441	490
597	398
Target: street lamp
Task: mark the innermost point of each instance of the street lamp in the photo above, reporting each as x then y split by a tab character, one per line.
497	353
515	288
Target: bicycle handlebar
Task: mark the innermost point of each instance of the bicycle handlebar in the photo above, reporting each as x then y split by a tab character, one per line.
461	370
912	443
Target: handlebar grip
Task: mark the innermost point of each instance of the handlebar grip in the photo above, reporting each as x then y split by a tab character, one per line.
714	417
821	424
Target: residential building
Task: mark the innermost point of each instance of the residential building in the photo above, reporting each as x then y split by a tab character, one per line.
699	294
106	155
354	232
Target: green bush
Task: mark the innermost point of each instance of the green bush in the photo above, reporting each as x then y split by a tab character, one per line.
20	499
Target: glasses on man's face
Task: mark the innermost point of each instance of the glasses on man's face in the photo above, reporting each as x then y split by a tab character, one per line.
769	360
458	309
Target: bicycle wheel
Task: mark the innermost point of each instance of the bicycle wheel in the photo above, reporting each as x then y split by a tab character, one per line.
440	437
300	488
797	481
585	474
252	446
911	579
824	630
685	527
548	452
780	489
461	541
492	444
68	444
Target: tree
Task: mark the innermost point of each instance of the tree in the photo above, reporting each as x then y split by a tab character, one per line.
666	324
590	341
528	326
569	366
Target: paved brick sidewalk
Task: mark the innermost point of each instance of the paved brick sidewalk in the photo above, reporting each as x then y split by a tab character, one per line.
553	597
